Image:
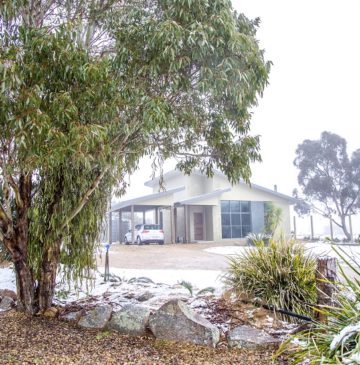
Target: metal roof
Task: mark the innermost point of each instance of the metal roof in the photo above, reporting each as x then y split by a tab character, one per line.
174	173
142	199
197	198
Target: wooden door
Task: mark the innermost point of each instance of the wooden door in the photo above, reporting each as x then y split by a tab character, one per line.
198	226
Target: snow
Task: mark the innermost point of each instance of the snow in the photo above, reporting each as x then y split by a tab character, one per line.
318	248
352	360
344	335
7	279
164	283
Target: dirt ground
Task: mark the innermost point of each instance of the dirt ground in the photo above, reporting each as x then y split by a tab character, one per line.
189	256
43	341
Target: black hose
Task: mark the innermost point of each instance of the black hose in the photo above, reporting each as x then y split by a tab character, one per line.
291	314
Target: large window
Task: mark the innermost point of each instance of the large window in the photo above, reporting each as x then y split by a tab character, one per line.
235	218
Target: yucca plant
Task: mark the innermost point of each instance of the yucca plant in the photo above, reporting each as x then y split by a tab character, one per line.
280	275
338	340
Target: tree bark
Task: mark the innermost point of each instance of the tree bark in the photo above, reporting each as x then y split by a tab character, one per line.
47	283
344	227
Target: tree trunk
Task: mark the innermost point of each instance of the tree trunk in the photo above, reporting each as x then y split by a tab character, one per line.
25	288
344	227
47	283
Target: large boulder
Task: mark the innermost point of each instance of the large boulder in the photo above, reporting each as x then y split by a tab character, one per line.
250	338
72	317
96	318
175	321
6	304
8	293
131	319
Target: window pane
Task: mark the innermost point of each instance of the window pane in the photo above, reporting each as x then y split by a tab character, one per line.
246	230
225	206
246	219
234	206
225	219
235	219
236	231
226	232
245	207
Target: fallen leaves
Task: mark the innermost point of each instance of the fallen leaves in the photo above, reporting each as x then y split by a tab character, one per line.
42	341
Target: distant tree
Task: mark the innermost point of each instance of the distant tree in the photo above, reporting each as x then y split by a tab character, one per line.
87	88
329	180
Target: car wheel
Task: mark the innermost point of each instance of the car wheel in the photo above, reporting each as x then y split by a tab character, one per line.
126	240
161	242
138	240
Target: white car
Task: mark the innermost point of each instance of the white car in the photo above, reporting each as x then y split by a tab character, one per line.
145	234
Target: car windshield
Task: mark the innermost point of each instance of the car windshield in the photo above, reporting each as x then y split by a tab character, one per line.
151	227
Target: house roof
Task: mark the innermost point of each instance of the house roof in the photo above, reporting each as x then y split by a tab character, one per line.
174	173
143	200
198	198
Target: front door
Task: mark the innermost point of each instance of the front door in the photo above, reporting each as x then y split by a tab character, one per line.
198	226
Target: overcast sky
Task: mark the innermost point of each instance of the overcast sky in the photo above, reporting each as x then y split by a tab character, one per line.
315	48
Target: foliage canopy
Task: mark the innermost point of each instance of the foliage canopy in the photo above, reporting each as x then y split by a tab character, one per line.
90	87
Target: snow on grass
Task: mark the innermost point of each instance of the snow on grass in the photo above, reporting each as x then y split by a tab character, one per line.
346	333
318	248
161	283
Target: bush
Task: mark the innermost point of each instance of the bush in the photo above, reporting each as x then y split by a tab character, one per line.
338	340
279	275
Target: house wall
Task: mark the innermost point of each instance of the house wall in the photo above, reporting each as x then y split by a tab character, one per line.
197	185
244	192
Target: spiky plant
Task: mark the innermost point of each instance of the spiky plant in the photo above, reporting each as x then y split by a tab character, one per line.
338	340
280	275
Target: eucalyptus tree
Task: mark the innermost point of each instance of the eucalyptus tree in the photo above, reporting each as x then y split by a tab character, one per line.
90	87
329	179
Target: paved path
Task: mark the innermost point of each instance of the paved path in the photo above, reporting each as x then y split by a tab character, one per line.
172	256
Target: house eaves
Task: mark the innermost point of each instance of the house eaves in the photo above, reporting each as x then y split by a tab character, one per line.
197	198
143	199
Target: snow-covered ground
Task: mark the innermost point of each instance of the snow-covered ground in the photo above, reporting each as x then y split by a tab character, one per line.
124	281
317	248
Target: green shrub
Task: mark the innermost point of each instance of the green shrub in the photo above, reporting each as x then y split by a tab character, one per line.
280	275
272	218
338	340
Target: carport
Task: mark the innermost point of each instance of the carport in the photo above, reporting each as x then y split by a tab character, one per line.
155	203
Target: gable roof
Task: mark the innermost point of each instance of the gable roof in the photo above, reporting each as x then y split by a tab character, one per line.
198	198
174	173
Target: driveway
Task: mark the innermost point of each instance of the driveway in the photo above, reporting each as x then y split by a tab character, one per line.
189	256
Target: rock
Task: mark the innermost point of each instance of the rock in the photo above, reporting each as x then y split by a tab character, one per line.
250	338
131	319
8	293
72	317
175	321
6	304
51	312
96	318
145	296
141	280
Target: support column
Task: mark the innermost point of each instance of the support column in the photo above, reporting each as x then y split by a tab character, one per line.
312	227
143	216
172	224
120	226
156	215
110	228
175	225
132	225
294	219
185	225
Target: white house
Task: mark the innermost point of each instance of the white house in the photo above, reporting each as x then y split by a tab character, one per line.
197	208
